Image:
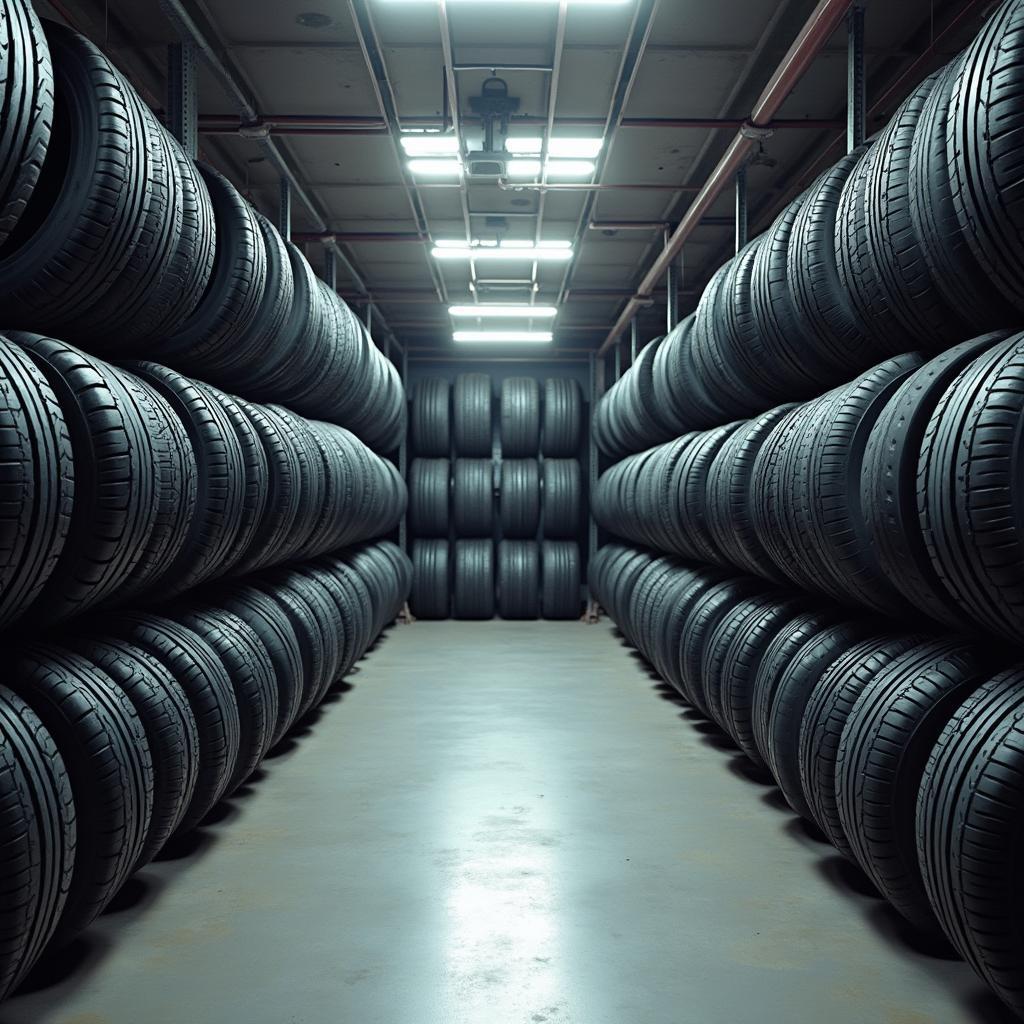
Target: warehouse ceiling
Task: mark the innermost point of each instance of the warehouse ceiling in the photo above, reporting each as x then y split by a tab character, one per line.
337	83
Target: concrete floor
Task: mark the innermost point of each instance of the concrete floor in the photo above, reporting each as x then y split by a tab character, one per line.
502	823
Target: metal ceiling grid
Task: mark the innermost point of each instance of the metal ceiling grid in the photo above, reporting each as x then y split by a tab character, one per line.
333	106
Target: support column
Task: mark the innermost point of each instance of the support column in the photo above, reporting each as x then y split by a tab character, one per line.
856	88
182	96
618	360
284	219
675	284
634	340
741	208
331	268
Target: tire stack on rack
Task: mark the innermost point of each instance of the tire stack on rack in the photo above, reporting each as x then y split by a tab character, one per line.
496	527
829	559
184	573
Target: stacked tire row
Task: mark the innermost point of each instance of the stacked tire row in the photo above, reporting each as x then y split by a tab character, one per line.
496	526
120	734
913	241
899	492
903	747
153	256
121	484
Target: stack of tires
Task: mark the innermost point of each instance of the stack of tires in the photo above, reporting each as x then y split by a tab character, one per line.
913	241
120	733
822	478
153	256
496	520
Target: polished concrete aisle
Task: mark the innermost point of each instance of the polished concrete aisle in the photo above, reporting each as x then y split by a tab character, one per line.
502	823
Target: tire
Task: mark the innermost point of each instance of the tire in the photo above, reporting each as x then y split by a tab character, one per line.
116	493
791	692
968	826
220	463
471	415
519	493
562	425
430	426
518	579
70	245
825	715
211	337
885	745
473	498
170	728
729	489
890	481
251	671
207	685
969	489
429	487
431	580
27	97
474	580
520	418
103	745
37	838
562	499
561	579
36	482
982	144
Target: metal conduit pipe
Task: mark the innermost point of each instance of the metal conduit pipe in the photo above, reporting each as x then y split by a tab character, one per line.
823	21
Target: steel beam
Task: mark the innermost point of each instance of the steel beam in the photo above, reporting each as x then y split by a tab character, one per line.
284	217
182	96
856	79
674	281
741	208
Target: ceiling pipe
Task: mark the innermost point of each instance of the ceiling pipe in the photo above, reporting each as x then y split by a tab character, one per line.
826	18
230	80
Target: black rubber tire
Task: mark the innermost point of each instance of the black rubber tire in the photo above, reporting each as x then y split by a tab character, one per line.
116	479
783	709
220	462
251	672
170	728
207	685
71	244
431	580
969	815
562	427
520	418
471	415
474	580
278	636
36	481
430	429
561	499
473	497
103	745
37	838
890	482
212	335
26	93
429	497
519	498
983	146
518	579
825	715
561	574
885	745
729	514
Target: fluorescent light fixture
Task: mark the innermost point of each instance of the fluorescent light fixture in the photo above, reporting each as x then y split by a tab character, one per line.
522	168
430	144
436	168
570	168
548	251
557	147
526	3
505	312
537	337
